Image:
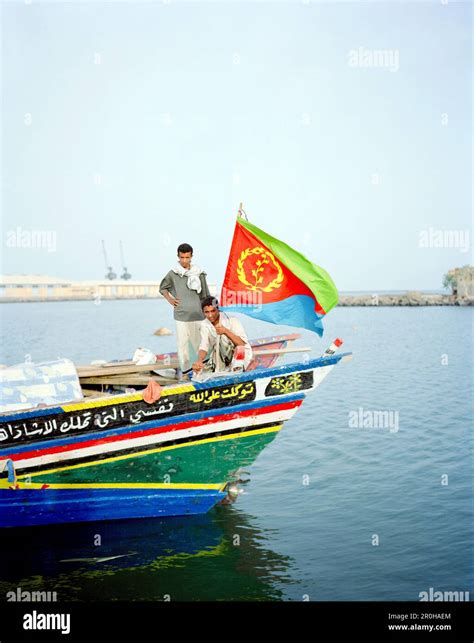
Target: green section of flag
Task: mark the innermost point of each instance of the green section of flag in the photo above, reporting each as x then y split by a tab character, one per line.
313	276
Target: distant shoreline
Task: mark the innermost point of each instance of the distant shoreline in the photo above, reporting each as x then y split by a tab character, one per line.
364	299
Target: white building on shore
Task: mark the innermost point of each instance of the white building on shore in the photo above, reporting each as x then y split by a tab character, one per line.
31	288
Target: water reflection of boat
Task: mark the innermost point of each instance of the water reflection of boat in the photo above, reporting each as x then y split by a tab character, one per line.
150	559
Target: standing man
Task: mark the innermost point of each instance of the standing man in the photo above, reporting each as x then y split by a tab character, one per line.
184	287
220	334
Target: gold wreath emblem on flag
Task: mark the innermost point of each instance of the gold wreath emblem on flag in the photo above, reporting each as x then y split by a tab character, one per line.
265	258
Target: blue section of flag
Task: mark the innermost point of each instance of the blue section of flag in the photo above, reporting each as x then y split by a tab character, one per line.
294	311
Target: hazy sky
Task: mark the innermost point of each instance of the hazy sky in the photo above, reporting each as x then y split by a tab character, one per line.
150	121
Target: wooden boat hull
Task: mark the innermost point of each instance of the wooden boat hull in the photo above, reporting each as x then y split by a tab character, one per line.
42	505
120	457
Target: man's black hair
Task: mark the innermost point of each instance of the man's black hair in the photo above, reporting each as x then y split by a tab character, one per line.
209	301
185	247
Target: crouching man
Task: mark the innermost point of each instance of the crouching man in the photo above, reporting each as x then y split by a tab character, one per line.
220	335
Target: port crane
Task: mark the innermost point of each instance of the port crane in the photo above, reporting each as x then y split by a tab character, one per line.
126	275
110	274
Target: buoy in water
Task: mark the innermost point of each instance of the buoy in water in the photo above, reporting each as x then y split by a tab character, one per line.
162	331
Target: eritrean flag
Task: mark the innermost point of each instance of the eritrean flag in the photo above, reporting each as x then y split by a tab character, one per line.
268	280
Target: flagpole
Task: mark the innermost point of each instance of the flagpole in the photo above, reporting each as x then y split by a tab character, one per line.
242	213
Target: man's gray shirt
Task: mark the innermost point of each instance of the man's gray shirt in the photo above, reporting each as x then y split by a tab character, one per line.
189	308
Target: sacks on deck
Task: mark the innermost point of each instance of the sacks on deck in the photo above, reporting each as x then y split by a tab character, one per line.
27	385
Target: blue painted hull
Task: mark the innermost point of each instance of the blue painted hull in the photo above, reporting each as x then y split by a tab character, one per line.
29	507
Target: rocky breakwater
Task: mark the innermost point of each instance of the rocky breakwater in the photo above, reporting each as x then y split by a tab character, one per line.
410	298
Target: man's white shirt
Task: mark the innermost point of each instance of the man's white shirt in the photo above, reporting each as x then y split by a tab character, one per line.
209	338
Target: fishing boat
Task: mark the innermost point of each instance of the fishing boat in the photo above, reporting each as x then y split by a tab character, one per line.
115	454
121	457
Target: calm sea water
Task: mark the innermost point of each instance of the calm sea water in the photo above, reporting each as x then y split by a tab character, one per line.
320	497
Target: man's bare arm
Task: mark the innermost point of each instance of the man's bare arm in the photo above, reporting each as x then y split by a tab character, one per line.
199	363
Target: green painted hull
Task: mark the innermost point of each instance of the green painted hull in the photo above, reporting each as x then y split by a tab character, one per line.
207	461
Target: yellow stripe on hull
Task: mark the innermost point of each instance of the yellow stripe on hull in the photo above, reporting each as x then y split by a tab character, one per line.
122	399
112	485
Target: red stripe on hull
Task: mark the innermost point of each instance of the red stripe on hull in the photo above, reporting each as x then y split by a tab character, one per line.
154	431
